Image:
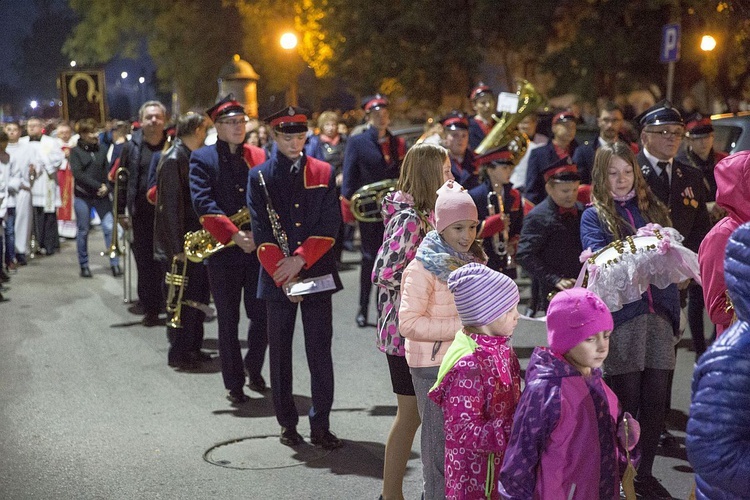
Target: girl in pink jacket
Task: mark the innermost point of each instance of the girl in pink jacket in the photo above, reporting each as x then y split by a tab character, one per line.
428	318
479	382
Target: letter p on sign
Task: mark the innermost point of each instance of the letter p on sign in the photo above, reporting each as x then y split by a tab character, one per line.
670	43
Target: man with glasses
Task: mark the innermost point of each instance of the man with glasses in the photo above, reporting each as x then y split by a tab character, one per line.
611	123
218	179
681	188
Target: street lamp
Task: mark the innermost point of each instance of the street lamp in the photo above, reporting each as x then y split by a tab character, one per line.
141	80
33	104
708	44
72	64
288	42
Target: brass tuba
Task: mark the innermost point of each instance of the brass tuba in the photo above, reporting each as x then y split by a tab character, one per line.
505	132
201	244
367	200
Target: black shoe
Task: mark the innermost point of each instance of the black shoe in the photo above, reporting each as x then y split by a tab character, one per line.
362	317
21	259
4	278
257	384
151	319
668	440
290	437
326	440
186	364
648	487
202	356
116	271
86	272
238	397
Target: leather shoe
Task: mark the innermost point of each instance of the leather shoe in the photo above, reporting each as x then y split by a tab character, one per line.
203	356
362	317
116	271
290	437
649	487
326	440
238	397
86	272
257	384
152	320
668	440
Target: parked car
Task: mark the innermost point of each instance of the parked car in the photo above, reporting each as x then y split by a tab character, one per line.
732	132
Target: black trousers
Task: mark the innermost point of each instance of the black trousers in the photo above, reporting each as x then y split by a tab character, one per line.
371	234
45	230
695	308
644	394
189	338
233	275
150	271
317	322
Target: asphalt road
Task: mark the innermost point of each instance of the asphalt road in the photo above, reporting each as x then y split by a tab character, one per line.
89	408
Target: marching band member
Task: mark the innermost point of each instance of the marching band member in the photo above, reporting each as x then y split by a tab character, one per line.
483	103
295	220
374	155
136	158
218	179
175	217
501	228
456	131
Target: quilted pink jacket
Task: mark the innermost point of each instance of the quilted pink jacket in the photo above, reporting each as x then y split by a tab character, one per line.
428	317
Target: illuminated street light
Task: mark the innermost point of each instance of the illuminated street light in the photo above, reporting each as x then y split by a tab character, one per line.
33	104
72	64
141	80
124	75
288	41
708	43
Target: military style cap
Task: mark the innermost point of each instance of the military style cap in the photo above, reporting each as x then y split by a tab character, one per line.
376	101
225	108
699	127
480	90
563	170
500	156
563	116
455	120
661	113
290	120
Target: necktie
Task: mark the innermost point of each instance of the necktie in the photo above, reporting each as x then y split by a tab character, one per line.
664	176
295	167
567	211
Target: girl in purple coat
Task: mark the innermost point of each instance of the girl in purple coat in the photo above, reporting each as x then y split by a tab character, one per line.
565	441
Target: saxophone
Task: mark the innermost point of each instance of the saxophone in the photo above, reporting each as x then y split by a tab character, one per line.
200	245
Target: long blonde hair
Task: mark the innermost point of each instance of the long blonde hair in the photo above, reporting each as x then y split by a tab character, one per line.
651	208
422	174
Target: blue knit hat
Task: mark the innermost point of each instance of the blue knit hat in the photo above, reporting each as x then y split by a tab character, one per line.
481	294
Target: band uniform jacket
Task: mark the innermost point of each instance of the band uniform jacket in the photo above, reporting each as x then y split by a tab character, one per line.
685	198
465	172
308	208
543	156
366	160
174	208
218	180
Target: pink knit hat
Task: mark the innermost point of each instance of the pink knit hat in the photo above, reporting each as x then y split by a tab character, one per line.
453	204
573	316
481	294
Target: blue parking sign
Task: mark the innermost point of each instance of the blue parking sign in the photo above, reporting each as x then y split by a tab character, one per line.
670	43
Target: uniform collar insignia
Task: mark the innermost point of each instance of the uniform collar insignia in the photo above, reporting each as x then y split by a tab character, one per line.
290	111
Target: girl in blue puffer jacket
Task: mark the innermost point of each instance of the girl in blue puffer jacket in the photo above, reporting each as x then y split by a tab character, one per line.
718	433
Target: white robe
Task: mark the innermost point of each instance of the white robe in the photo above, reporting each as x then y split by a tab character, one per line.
45	192
23	156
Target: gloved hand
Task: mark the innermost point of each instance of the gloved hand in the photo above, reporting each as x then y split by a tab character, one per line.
630	439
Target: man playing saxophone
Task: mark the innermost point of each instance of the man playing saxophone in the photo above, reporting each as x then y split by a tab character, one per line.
295	216
218	179
174	217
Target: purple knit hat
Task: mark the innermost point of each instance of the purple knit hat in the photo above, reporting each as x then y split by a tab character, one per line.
481	294
453	204
573	316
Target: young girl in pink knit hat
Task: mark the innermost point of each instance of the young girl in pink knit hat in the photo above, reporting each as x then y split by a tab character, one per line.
569	438
428	318
479	382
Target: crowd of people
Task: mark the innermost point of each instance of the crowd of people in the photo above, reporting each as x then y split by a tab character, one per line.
268	206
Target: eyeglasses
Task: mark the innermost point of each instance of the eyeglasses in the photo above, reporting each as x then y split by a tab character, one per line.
666	133
233	123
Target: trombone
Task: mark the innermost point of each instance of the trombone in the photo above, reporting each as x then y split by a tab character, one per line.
115	250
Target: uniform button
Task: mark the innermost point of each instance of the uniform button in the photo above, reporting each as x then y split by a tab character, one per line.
299	243
242	190
296	205
297	224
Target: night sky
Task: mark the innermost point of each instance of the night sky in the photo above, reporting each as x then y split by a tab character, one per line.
15	23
